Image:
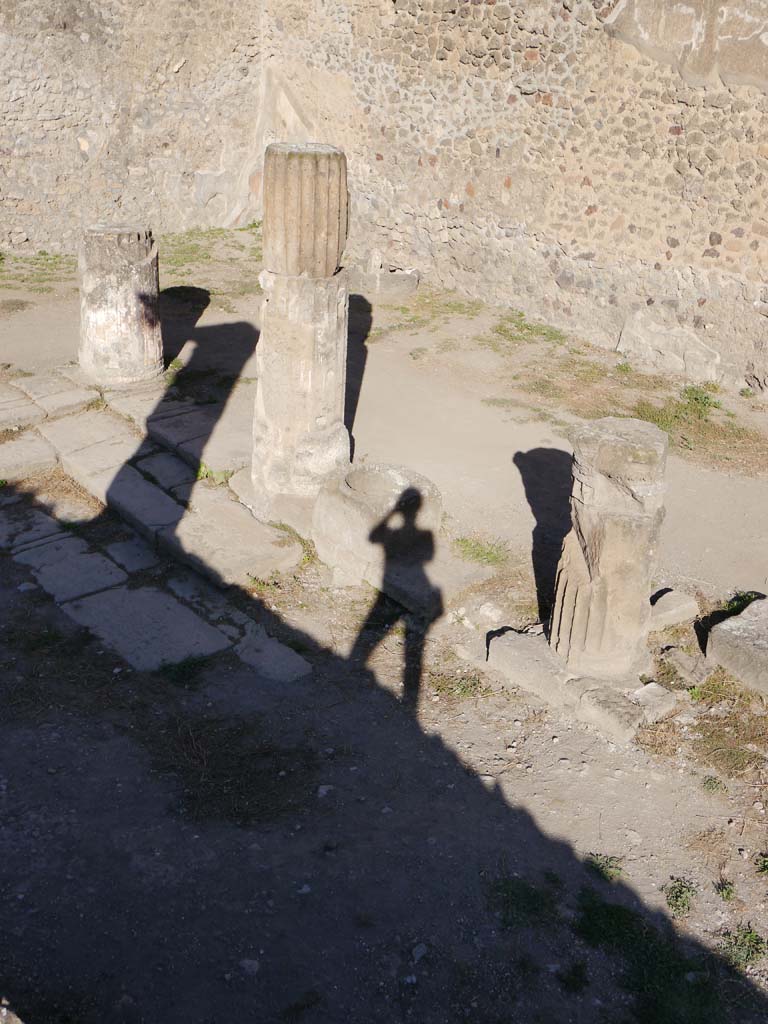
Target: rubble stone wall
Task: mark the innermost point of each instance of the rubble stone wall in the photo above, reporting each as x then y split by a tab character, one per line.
600	164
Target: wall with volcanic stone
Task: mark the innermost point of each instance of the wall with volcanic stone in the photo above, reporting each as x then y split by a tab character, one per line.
600	164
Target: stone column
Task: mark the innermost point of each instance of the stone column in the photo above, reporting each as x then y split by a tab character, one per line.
602	605
299	437
120	339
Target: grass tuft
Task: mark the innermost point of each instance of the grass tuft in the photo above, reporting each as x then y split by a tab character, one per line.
475	549
743	947
679	893
607	867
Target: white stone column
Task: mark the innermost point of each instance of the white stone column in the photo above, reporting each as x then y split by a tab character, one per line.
299	437
602	608
120	338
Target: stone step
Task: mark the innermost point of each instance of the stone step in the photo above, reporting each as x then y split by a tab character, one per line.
25	455
55	394
211	532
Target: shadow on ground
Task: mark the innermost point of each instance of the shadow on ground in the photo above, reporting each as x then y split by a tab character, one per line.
204	845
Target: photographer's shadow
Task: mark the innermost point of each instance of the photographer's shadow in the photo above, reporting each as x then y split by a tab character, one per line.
407	549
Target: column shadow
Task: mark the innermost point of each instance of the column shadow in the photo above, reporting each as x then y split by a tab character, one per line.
219	843
546	476
360	321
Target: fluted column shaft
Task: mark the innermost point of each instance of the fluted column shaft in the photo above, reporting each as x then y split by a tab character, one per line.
602	607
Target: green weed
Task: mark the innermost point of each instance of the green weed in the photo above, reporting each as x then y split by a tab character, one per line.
725	889
743	947
475	549
459	686
712	784
604	865
666	986
679	893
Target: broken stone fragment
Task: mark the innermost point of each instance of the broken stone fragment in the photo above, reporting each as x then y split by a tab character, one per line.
672	608
740	645
602	610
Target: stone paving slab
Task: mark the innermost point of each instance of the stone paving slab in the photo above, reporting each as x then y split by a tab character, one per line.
111	455
67	569
229	445
132	554
73	433
167	470
221	539
147	627
55	394
22	527
25	455
19	413
173	431
145	506
740	645
145	404
269	657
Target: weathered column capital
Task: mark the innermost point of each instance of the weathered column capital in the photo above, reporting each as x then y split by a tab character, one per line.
305	209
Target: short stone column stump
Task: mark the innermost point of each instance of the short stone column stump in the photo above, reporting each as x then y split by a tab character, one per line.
120	338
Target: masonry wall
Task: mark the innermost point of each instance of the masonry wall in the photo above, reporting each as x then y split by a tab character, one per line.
598	164
111	109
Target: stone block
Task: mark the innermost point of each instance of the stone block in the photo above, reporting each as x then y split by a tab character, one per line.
66	568
270	658
166	470
95	467
73	433
611	713
220	538
172	431
601	614
55	394
19	413
672	608
740	645
146	507
381	525
655	700
24	456
147	627
133	554
145	404
21	526
667	348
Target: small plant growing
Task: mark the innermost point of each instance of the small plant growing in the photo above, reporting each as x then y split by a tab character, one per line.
743	947
474	549
623	368
725	889
712	784
761	863
604	865
679	893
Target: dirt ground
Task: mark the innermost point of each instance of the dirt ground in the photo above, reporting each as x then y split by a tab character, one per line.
201	845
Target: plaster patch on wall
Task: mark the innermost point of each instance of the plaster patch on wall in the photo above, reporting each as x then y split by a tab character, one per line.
706	41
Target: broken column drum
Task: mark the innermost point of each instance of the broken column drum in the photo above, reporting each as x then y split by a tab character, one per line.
299	437
120	337
601	613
